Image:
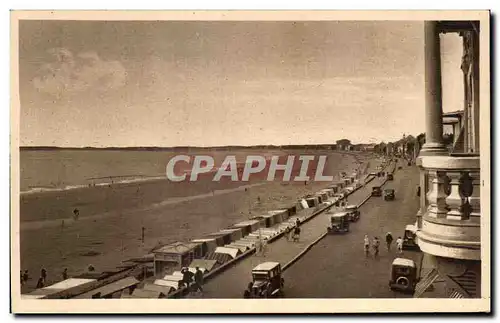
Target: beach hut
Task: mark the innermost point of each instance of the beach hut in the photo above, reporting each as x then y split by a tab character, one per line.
233	252
63	289
236	233
334	188
208	265
247	241
247	226
322	196
302	205
207	244
266	220
291	211
167	283
175	256
312	201
242	247
279	215
176	276
225	236
111	290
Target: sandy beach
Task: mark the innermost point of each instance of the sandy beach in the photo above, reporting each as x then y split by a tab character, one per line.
168	211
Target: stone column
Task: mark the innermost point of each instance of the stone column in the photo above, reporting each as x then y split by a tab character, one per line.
434	144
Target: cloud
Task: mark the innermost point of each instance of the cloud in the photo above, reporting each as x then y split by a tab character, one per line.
69	73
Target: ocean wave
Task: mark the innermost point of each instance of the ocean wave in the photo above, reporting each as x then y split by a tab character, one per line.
42	189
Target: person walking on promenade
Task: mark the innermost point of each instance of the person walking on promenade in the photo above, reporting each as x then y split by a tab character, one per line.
399	245
367	245
43	274
198	280
388	240
65	274
22	278
40	283
264	247
26	276
296	234
187	276
376	245
288	233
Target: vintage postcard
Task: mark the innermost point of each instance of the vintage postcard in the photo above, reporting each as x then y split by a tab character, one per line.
250	161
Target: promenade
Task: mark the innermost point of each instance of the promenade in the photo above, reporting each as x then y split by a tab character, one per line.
232	282
337	268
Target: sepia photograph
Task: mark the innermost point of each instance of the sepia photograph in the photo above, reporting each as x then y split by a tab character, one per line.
210	162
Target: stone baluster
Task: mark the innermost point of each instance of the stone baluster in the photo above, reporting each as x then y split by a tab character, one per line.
437	195
455	200
475	197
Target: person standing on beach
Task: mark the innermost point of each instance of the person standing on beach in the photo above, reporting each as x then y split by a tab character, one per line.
76	214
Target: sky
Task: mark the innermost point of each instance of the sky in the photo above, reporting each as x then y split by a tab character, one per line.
201	83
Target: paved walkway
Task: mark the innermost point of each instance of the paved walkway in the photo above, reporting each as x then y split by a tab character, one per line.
232	282
337	268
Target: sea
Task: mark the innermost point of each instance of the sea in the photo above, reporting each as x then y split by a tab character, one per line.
67	169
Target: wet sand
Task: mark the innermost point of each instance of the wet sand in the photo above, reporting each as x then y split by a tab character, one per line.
109	227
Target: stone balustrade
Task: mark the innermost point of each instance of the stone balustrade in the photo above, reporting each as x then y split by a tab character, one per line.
450	212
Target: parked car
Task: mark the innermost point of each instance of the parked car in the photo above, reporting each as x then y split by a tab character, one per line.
338	223
409	238
353	213
376	191
403	275
267	281
389	194
390	177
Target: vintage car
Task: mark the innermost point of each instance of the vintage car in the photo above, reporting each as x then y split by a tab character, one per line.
409	241
338	222
400	167
389	194
390	177
353	212
403	275
376	191
267	281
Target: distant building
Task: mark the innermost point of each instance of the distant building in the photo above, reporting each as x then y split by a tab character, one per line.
344	144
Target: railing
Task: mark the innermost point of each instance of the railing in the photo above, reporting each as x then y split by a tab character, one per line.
450	212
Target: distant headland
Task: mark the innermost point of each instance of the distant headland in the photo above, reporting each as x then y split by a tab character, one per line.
183	148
